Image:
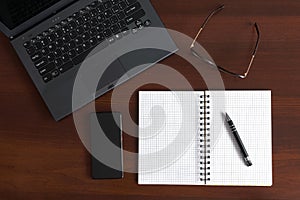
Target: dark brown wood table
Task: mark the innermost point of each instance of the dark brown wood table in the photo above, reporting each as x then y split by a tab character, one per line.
44	159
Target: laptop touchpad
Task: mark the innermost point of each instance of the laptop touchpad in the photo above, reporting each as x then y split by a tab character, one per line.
111	74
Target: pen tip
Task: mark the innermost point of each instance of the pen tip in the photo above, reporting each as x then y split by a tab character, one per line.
248	162
227	117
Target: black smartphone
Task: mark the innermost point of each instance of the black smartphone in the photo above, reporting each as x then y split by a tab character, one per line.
106	146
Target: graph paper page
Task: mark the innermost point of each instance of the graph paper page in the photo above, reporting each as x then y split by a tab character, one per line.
251	113
168	146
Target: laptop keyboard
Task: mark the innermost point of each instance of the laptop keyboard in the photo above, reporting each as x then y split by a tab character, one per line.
68	43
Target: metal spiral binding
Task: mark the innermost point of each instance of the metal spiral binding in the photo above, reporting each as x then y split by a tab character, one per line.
204	138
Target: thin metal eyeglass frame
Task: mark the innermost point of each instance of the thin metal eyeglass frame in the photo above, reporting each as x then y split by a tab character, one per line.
242	76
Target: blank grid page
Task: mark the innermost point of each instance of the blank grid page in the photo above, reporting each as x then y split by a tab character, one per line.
168	144
251	113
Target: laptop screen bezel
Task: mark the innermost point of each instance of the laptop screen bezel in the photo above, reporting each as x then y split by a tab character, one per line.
11	33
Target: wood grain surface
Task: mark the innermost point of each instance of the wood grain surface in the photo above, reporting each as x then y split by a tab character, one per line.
44	159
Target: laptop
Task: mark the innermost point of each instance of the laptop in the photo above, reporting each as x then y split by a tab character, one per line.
53	37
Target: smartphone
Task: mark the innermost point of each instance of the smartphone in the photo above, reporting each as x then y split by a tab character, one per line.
106	146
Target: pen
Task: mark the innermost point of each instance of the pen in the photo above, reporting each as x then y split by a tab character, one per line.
239	141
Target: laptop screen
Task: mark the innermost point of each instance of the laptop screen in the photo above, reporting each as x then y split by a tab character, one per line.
15	12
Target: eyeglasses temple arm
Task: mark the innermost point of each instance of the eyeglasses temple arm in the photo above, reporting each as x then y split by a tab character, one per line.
205	22
254	51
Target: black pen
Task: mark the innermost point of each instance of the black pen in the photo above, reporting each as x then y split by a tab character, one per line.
239	141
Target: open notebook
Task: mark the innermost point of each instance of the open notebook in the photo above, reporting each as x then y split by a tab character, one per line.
184	139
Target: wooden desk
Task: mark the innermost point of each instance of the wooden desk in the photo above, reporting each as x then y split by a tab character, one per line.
43	159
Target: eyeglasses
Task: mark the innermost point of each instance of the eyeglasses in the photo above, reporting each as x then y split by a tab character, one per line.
242	76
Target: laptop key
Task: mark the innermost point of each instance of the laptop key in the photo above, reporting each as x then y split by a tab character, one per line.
52	47
36	56
66	39
100	37
57	26
101	18
132	9
94	22
31	50
125	31
76	15
72	34
107	33
59	43
111	40
51	38
134	30
86	45
87	26
107	4
121	15
86	17
44	41
147	23
93	41
45	51
93	32
122	24
57	53
85	36
114	19
70	19
78	41
45	33
114	29
79	21
80	30
65	29
101	8
62	69
50	57
139	14
41	63
138	23
47	78
46	69
100	28
71	45
129	2
115	9
118	36
38	45
72	25
72	53
65	58
79	49
59	33
94	4
51	30
55	73
114	2
122	5
106	24
26	45
64	49
39	37
58	62
108	13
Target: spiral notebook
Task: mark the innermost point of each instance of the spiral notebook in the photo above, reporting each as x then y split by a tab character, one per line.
184	139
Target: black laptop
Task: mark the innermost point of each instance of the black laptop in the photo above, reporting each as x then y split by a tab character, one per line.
54	37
